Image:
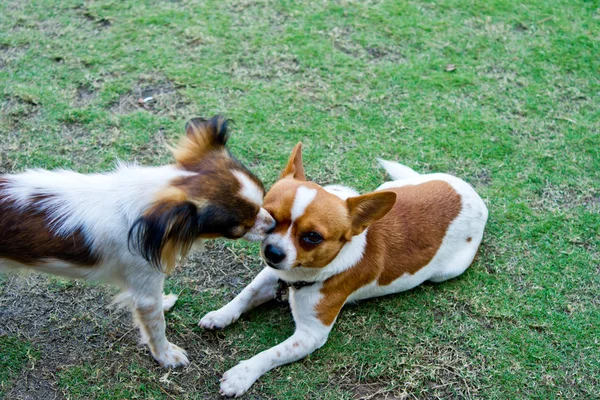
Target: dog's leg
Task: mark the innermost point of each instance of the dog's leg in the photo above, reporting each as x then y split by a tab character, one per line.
148	312
311	333
169	301
262	289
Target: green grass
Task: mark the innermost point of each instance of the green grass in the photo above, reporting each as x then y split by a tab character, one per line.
518	118
14	355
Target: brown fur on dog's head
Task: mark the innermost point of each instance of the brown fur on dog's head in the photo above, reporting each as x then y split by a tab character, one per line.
219	197
313	224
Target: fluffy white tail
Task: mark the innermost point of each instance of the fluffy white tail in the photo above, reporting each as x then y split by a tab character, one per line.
397	171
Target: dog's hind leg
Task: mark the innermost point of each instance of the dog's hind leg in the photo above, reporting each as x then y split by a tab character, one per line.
262	289
148	312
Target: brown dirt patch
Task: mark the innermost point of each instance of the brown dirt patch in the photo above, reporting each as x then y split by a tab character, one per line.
343	42
84	95
430	371
157	95
9	145
279	66
66	322
18	108
92	17
70	324
564	197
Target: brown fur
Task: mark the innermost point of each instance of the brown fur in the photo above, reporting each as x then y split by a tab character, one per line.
295	167
279	202
404	241
366	209
201	137
344	218
211	189
20	228
213	183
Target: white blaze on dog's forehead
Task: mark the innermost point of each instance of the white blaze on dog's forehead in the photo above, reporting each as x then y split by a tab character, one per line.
250	190
304	196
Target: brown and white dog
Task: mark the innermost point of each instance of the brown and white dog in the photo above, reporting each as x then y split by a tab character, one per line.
130	227
333	246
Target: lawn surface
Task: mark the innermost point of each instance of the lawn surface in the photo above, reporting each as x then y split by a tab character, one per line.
503	94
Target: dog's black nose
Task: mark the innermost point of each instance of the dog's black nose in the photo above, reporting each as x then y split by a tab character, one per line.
274	254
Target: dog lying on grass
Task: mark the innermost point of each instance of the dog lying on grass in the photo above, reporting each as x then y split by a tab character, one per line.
129	227
333	246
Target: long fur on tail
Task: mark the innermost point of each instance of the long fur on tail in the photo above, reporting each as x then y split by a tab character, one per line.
397	171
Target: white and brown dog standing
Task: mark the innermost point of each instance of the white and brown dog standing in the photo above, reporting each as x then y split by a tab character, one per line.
334	246
129	227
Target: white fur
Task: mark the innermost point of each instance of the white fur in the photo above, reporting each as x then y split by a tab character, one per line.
302	199
263	288
105	206
349	255
310	333
455	254
264	222
250	190
397	171
452	258
343	192
304	196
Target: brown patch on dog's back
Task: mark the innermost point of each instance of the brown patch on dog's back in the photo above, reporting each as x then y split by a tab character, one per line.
413	230
26	236
403	241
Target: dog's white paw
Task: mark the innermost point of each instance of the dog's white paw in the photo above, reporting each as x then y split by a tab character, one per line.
238	379
172	357
219	319
168	301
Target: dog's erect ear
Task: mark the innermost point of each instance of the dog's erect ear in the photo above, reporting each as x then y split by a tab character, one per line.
165	233
368	208
294	167
201	137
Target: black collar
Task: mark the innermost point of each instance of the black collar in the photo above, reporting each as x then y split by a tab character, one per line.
282	289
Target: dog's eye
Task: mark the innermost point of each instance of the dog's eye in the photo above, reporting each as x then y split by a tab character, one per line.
312	238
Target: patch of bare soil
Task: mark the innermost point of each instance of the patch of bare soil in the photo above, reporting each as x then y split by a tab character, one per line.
9	145
70	325
279	66
432	371
13	113
92	17
85	95
16	109
66	322
563	197
153	94
343	42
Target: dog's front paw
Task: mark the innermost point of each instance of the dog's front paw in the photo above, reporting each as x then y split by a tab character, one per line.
219	319
238	379
172	357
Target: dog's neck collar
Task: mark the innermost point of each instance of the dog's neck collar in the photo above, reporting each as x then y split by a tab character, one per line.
283	288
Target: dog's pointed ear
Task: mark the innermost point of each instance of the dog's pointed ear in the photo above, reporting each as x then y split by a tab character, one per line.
166	231
368	208
294	167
